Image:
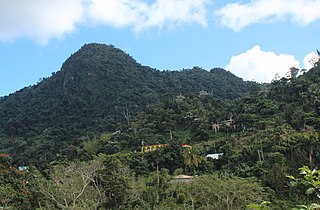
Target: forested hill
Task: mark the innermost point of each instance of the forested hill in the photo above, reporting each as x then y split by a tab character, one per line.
90	118
97	87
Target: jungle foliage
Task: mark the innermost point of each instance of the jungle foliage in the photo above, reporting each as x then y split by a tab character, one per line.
83	129
97	88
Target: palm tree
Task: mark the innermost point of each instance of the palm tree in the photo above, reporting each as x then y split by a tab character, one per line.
191	158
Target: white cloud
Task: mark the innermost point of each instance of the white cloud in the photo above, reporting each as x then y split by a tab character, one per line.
115	12
141	15
237	16
40	20
309	60
261	66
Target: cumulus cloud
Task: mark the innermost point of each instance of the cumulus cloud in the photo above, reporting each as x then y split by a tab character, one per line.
237	15
141	15
42	20
261	66
309	60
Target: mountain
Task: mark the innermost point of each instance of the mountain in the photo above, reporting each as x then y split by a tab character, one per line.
91	117
97	87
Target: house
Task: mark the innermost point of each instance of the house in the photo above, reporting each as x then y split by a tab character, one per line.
151	148
215	156
154	147
22	168
203	93
182	178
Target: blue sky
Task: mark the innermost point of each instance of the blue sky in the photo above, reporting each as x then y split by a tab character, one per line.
254	39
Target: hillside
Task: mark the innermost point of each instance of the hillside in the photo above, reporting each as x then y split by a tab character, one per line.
268	136
93	123
97	87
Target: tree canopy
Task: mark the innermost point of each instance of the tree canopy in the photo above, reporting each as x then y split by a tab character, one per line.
84	127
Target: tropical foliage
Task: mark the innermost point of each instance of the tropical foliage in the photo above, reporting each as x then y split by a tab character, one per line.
80	134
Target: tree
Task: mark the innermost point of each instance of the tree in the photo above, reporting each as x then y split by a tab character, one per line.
308	140
310	181
157	185
211	192
310	185
71	185
117	182
293	73
7	195
169	157
191	158
16	186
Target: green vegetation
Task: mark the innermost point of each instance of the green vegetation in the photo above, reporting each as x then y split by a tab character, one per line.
97	88
80	133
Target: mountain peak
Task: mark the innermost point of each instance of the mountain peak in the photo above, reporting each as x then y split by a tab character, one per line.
98	54
95	64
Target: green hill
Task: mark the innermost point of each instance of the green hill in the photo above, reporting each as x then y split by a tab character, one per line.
97	88
93	115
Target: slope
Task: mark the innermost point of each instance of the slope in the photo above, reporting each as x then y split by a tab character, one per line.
96	88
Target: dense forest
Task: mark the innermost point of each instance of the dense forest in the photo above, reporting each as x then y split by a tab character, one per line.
74	140
97	88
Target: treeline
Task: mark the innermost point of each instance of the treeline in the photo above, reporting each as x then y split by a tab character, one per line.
122	182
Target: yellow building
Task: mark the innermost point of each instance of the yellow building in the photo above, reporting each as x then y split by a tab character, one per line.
151	148
154	147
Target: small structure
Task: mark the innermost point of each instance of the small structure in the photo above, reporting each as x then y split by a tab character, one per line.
182	178
4	155
230	123
216	127
203	93
215	156
22	168
154	147
186	145
151	148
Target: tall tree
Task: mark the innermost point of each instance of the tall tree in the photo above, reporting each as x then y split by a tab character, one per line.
192	158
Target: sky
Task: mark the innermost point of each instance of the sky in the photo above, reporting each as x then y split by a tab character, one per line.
253	39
